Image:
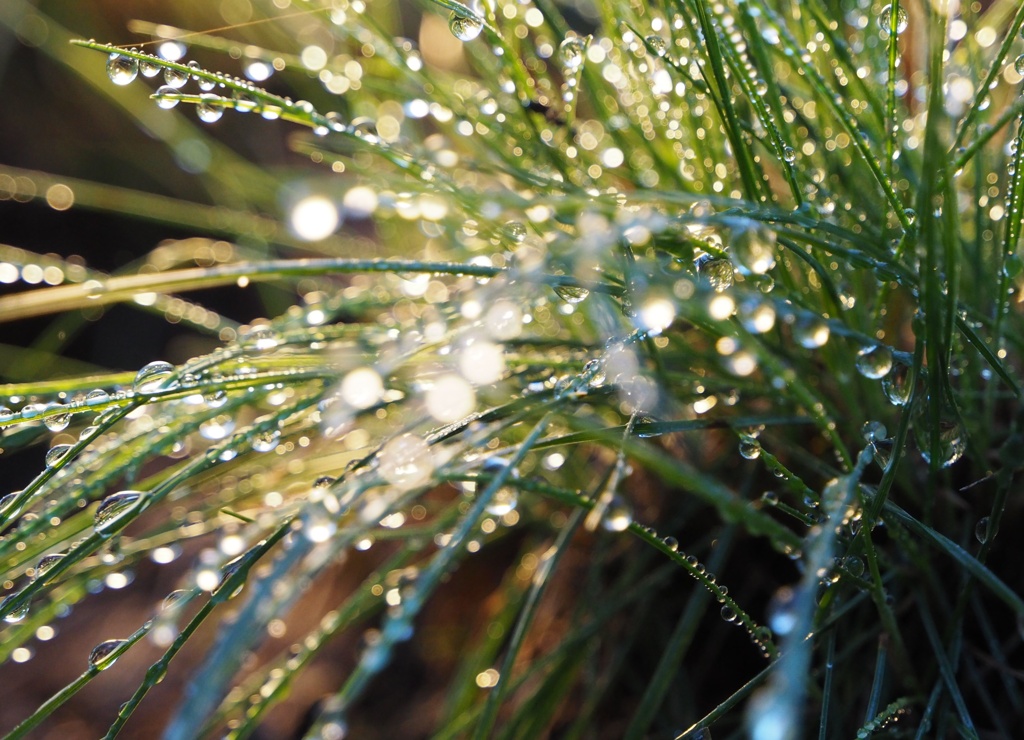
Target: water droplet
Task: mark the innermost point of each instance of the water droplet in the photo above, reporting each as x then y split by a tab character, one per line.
465	27
246	103
155	376
173	599
56	454
810	332
750	448
658	44
318	524
260	338
872	431
771	498
874	362
47	562
570	52
503	501
885	20
514	231
166	103
175	78
854	566
57	423
756	316
406	461
897	384
671	543
981	530
218	428
96	397
17	614
148	68
216	399
571	293
265	441
116	510
121	69
716	271
728	613
1018	64
362	388
752	248
7	509
952	437
32	410
102	656
210	108
788	155
618	516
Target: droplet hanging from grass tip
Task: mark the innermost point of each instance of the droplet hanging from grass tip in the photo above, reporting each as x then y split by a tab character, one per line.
571	52
465	27
121	69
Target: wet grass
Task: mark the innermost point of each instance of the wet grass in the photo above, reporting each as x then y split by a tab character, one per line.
650	370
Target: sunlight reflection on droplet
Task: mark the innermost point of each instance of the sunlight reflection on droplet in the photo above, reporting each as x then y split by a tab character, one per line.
314	217
450	398
362	388
482	362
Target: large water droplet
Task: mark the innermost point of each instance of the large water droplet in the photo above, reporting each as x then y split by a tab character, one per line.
875	361
15	615
1018	64
96	397
116	510
58	422
750	448
885	20
571	52
465	27
716	271
406	461
56	454
952	437
174	78
618	516
756	316
752	248
210	108
47	562
121	69
658	44
981	530
148	68
153	377
102	656
7	509
503	502
810	332
897	384
166	103
514	231
873	430
571	293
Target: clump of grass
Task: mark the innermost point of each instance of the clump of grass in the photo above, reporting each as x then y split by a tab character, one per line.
701	333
